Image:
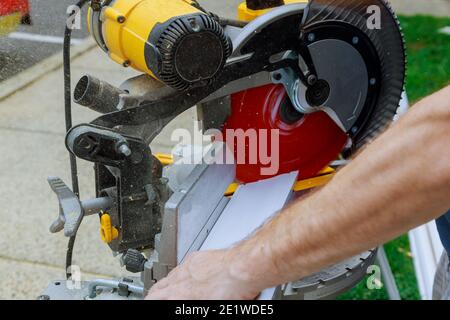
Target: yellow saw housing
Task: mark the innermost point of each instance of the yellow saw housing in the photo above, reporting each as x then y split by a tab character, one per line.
171	40
248	14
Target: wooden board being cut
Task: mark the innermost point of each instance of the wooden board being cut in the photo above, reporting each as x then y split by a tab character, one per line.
251	206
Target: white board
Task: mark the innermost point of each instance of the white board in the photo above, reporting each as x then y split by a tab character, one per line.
251	206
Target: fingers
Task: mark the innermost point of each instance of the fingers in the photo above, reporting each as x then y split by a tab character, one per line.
181	291
157	295
175	277
200	276
160	284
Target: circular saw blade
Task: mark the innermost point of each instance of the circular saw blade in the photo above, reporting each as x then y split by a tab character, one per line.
304	142
310	142
376	20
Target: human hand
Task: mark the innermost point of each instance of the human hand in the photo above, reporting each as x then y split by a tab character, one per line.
204	275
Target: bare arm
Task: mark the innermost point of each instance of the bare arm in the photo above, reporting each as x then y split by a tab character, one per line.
400	181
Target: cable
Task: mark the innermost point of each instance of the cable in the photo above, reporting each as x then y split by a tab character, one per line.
68	119
228	22
232	22
222	21
197	5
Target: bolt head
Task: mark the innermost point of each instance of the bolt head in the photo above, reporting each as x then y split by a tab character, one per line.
311	37
125	150
277	76
312	79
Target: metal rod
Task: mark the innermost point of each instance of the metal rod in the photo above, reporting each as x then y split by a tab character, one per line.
94	206
113	284
388	276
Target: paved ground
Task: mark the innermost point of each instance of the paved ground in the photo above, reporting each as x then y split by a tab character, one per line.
32	131
17	54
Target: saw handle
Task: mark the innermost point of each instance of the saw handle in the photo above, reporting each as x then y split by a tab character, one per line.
70	209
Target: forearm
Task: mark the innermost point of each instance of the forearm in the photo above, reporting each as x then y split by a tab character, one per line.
400	181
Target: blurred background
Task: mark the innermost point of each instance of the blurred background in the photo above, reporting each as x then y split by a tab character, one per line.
32	134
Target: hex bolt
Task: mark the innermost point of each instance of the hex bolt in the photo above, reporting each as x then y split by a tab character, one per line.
124	149
121	19
277	76
373	81
85	144
311	37
355	40
312	79
194	25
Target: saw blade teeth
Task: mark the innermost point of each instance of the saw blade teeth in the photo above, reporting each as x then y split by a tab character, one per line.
389	43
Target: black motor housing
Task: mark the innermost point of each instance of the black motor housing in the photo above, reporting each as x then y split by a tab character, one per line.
188	51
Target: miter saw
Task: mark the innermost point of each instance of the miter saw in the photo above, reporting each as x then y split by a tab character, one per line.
326	75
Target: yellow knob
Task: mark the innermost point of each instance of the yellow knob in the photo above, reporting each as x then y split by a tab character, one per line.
107	231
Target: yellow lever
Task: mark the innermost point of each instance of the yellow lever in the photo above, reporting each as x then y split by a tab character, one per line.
107	231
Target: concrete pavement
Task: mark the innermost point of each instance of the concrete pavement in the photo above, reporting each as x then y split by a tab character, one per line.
31	44
32	128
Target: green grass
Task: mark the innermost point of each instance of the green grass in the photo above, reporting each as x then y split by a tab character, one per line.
428	55
399	256
428	71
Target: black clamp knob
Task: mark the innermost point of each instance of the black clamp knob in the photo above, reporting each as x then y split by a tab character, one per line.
134	261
